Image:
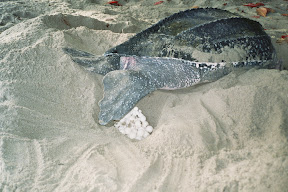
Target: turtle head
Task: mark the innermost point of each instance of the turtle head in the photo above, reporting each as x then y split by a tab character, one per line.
122	49
111	52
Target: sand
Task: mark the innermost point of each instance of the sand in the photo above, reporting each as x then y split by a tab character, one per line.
229	135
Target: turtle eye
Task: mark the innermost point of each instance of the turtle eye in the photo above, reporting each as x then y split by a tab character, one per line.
110	52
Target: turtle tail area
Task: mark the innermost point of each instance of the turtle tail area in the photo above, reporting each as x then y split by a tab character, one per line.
96	64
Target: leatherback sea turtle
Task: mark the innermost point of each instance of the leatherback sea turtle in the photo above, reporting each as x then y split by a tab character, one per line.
184	49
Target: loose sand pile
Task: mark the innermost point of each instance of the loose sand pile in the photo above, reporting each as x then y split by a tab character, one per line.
229	135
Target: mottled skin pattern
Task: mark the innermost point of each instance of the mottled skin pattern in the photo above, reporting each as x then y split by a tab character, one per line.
161	57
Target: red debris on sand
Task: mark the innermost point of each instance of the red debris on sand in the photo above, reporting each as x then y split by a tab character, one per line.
283	39
159	2
284	14
116	3
256	16
225	4
254	5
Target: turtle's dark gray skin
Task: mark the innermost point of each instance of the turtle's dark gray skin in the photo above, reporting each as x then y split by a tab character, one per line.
187	48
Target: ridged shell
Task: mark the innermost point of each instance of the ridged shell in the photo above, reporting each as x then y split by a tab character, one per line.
205	30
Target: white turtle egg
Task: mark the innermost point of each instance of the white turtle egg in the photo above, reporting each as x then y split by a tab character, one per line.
117	125
134	130
122	121
146	134
122	130
138	138
141	129
144	124
132	135
142	118
131	118
128	124
135	114
127	130
140	132
149	129
138	123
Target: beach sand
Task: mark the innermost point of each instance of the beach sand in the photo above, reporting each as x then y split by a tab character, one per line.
229	135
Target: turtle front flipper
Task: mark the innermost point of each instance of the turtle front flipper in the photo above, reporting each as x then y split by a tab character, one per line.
97	64
122	90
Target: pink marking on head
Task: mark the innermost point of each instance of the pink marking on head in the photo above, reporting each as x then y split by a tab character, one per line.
128	62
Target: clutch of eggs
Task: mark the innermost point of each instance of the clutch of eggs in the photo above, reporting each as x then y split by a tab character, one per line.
134	125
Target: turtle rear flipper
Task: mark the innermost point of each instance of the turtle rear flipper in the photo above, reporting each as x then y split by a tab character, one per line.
140	76
122	90
97	64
